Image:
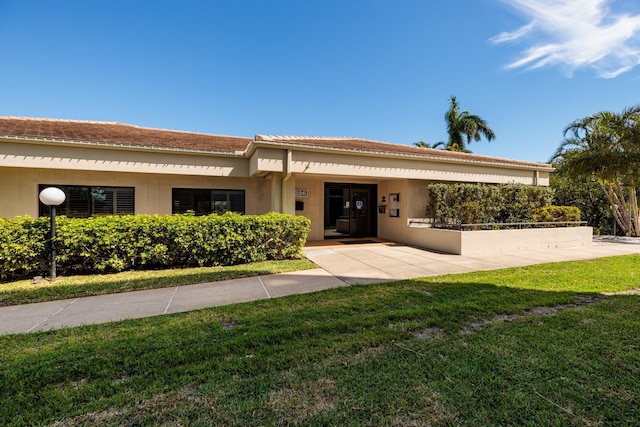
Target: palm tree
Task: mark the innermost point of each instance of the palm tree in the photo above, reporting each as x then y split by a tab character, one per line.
427	145
605	147
463	125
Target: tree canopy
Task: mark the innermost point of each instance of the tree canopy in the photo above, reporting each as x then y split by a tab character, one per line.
462	128
428	145
605	147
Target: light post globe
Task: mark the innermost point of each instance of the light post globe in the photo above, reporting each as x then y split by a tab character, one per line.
52	196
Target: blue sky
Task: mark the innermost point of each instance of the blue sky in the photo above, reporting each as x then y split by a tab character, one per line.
375	69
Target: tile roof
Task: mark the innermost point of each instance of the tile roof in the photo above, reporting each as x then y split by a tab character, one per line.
117	134
369	146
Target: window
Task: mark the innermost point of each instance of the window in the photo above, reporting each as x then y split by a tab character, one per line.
205	202
84	201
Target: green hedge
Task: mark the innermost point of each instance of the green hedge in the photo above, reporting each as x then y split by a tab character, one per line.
556	214
23	246
117	243
481	203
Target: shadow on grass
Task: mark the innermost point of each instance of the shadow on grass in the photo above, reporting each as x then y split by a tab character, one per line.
339	357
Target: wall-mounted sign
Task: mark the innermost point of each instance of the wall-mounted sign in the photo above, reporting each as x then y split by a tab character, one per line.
302	192
394	204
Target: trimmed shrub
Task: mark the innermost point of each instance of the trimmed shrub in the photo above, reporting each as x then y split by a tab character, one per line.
117	243
556	214
471	212
482	203
23	246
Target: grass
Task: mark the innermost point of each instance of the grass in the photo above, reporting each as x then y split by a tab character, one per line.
470	349
24	291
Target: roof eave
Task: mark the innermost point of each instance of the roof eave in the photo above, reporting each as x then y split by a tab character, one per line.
116	146
359	152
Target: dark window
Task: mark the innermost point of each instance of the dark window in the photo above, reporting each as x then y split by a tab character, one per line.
205	202
84	201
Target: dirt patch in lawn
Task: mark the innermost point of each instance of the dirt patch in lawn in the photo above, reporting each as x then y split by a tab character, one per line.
478	324
581	301
304	401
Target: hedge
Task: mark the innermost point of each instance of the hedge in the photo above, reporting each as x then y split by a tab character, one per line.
116	243
556	214
482	203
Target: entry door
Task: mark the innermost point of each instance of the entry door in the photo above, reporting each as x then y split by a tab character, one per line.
360	212
349	210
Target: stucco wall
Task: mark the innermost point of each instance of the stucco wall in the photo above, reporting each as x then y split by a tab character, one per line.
495	241
152	191
392	228
480	242
267	160
79	157
413	198
419	169
313	204
432	238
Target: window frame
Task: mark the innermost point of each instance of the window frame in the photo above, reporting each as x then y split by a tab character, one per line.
207	201
72	206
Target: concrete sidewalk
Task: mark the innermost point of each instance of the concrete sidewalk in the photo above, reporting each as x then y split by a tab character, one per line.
340	265
154	302
370	263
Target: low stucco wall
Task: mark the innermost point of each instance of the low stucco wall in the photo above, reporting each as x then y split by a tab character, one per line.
495	241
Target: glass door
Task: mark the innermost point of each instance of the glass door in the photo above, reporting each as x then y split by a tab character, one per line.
348	211
360	213
336	211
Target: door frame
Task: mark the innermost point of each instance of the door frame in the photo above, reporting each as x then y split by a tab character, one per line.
351	188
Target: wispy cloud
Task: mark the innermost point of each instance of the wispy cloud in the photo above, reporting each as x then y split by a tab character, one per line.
575	34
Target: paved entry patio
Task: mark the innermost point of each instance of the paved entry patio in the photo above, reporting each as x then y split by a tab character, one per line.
384	261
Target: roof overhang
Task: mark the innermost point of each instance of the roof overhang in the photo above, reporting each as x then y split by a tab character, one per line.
115	146
459	159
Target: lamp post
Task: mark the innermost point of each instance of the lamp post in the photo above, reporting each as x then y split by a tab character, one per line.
52	197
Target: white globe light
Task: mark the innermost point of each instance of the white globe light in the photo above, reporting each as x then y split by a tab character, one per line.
52	196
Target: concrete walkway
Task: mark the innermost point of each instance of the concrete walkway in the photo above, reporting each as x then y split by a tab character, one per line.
371	263
340	265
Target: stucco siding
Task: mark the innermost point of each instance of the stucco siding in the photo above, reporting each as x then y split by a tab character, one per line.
48	156
266	160
313	204
19	187
378	167
495	241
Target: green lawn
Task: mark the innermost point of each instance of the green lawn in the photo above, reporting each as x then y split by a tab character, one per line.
532	346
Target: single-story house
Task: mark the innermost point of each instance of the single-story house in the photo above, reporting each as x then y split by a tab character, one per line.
347	187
